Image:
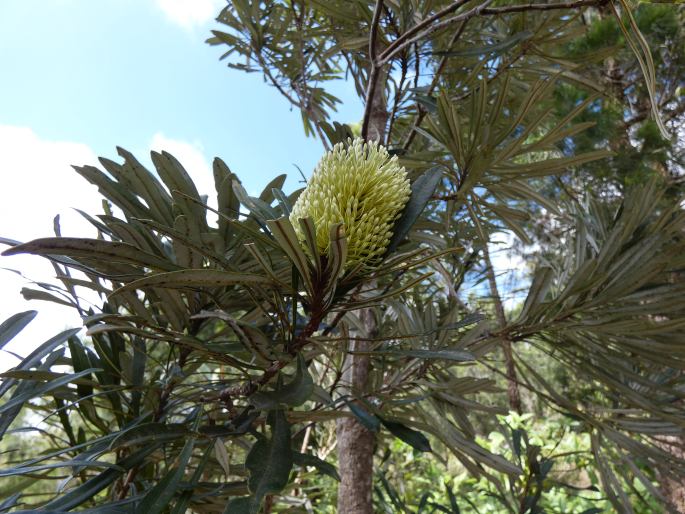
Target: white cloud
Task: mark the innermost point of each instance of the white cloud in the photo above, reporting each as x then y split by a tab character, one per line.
37	182
191	14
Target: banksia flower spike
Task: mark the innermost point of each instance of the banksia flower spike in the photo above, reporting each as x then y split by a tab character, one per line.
360	186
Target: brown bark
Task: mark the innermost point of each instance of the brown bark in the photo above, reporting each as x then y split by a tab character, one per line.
355	442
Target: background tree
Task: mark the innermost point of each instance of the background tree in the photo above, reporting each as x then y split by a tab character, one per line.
238	331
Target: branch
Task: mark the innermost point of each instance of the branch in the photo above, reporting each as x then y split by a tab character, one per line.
436	77
513	392
543	7
373	74
414	35
401	41
274	82
246	389
399	90
159	413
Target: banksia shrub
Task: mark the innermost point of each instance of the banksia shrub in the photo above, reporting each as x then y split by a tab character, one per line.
360	186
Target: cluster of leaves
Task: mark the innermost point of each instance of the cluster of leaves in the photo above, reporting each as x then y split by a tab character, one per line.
199	327
621	115
559	475
218	356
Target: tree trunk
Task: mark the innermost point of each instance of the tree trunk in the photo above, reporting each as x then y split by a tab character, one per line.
355	442
672	488
512	379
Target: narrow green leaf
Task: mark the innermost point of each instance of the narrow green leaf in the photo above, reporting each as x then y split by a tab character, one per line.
284	233
113	191
33	294
295	393
34	358
45	388
15	324
147	186
421	192
496	48
410	436
309	231
176	178
93	486
365	418
282	201
269	463
161	494
150	433
7	503
337	254
192	278
64	464
306	459
95	249
449	354
158	498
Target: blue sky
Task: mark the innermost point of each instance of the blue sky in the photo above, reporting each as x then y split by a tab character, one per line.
117	72
80	77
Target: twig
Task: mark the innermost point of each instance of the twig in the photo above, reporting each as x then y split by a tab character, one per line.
274	82
414	33
398	96
401	41
436	77
159	411
373	74
317	314
476	11
542	7
512	386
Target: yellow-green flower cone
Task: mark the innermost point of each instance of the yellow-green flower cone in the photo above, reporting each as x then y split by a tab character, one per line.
360	186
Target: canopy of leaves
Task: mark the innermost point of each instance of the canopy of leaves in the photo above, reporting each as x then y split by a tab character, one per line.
212	368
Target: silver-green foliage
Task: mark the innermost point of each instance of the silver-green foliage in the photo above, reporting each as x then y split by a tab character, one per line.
220	339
